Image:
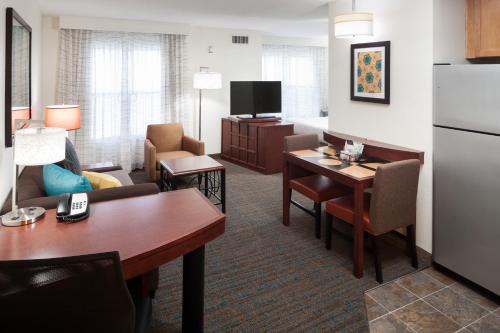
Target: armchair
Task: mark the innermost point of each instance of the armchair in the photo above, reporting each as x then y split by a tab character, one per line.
167	142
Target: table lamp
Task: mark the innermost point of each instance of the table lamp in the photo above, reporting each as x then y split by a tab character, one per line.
63	116
205	80
33	146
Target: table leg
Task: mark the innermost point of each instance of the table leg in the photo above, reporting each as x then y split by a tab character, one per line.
200	177
223	190
142	289
206	184
193	284
173	182
358	231
286	194
162	181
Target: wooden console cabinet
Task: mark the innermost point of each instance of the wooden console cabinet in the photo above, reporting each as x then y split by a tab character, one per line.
255	144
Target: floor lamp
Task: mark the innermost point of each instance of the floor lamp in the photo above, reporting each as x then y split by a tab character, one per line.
205	80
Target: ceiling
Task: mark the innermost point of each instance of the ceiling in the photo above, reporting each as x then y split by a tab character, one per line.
300	18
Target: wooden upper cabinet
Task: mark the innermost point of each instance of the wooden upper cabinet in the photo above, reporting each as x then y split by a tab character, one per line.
483	28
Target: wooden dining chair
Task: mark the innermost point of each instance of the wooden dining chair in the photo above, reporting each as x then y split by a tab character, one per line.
316	187
392	205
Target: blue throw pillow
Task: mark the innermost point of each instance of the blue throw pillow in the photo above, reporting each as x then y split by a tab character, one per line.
57	180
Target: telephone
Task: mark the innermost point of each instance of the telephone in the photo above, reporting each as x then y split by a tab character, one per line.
73	208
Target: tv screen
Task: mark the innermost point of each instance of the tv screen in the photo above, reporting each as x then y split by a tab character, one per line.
255	97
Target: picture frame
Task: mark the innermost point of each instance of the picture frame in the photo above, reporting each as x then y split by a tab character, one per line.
370	72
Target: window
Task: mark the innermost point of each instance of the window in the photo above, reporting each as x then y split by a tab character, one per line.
130	77
303	72
123	82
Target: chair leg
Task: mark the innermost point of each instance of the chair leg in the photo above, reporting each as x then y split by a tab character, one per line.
317	218
376	257
410	235
328	231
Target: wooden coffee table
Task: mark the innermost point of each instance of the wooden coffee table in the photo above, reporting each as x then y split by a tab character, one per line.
210	180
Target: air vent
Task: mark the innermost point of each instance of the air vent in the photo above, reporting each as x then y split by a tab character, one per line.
240	39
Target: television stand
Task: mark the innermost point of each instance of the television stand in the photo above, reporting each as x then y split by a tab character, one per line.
255	143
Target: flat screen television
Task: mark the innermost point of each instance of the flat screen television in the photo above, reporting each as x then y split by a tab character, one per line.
255	97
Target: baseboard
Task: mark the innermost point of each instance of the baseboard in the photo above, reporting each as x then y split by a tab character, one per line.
466	281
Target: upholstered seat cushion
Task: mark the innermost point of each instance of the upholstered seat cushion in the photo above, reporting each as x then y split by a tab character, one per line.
343	208
171	155
122	177
318	188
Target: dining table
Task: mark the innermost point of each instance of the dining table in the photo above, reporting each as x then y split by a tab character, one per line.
358	175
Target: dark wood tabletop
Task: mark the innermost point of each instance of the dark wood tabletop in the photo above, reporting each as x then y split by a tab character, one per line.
190	165
147	231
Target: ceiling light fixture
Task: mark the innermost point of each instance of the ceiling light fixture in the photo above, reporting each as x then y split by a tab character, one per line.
354	24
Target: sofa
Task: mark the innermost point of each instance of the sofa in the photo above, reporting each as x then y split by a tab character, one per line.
31	191
167	142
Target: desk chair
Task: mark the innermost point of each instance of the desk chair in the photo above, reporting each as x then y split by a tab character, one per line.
316	187
392	205
73	294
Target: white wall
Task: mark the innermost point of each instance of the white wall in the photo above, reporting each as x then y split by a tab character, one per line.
295	41
234	61
449	31
407	121
30	12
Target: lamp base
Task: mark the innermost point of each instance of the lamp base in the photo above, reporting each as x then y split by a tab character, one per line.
23	216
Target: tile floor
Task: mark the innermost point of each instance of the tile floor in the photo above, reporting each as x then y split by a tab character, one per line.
430	301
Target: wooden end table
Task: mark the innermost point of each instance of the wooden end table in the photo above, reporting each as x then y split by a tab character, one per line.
210	180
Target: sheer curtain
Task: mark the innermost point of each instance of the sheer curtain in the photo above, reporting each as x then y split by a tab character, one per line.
122	82
20	70
303	71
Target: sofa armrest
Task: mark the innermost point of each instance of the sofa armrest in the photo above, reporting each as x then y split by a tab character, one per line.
193	146
95	196
150	159
97	168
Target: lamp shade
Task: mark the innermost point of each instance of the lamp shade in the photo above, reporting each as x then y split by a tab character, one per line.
39	146
207	80
63	116
353	25
19	112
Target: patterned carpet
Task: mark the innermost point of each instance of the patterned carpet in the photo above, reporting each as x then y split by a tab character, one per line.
264	277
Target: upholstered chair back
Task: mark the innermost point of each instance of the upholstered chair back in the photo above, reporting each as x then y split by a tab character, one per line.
394	198
301	142
166	137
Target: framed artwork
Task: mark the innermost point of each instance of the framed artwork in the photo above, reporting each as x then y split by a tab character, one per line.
370	72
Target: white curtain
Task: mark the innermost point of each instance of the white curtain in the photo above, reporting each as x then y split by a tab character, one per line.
303	71
122	82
